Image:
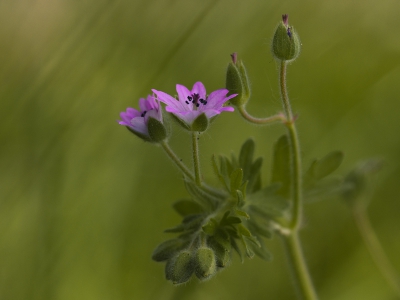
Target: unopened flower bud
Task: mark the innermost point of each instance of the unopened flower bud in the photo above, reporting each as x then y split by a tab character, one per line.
180	268
286	43
237	81
205	263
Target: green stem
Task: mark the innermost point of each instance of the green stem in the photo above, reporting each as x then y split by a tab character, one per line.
185	170
295	149
260	121
375	248
196	159
296	261
290	237
177	160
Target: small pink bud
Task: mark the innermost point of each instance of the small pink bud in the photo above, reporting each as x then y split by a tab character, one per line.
234	57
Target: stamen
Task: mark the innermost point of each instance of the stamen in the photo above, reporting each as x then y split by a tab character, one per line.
143	114
187	102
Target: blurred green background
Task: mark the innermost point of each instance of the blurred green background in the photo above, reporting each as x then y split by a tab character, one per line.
83	203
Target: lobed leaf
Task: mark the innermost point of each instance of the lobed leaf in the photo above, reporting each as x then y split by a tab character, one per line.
281	170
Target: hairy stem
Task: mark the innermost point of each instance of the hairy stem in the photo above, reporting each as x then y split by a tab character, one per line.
188	173
298	266
260	121
196	159
291	239
295	151
178	162
375	248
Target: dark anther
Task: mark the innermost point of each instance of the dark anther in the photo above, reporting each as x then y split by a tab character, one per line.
289	33
197	105
187	102
190	98
143	114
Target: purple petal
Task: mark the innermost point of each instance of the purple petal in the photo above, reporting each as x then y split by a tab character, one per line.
139	125
217	98
168	100
143	105
183	94
188	116
199	88
154	114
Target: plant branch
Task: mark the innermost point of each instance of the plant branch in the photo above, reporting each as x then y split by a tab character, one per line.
295	149
298	266
374	247
260	121
196	159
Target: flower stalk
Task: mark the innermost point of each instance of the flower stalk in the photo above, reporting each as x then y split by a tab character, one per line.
196	158
374	246
178	162
291	241
260	121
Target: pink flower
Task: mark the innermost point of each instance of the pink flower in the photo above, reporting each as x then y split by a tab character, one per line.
191	104
136	120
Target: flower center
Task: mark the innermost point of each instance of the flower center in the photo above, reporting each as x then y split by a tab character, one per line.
196	100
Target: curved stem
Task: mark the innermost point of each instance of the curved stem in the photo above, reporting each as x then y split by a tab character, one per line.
290	236
196	159
177	160
375	248
260	121
298	266
295	149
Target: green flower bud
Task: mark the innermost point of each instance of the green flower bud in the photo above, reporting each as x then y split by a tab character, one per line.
286	43
168	249
237	82
157	130
205	263
180	268
222	251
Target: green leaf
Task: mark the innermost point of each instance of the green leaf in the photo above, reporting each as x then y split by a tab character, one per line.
246	156
236	178
168	249
225	170
232	220
281	170
356	182
258	229
157	130
210	227
254	176
249	251
207	201
235	246
178	228
218	173
243	230
242	213
328	164
267	202
240	198
262	251
187	207
201	123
